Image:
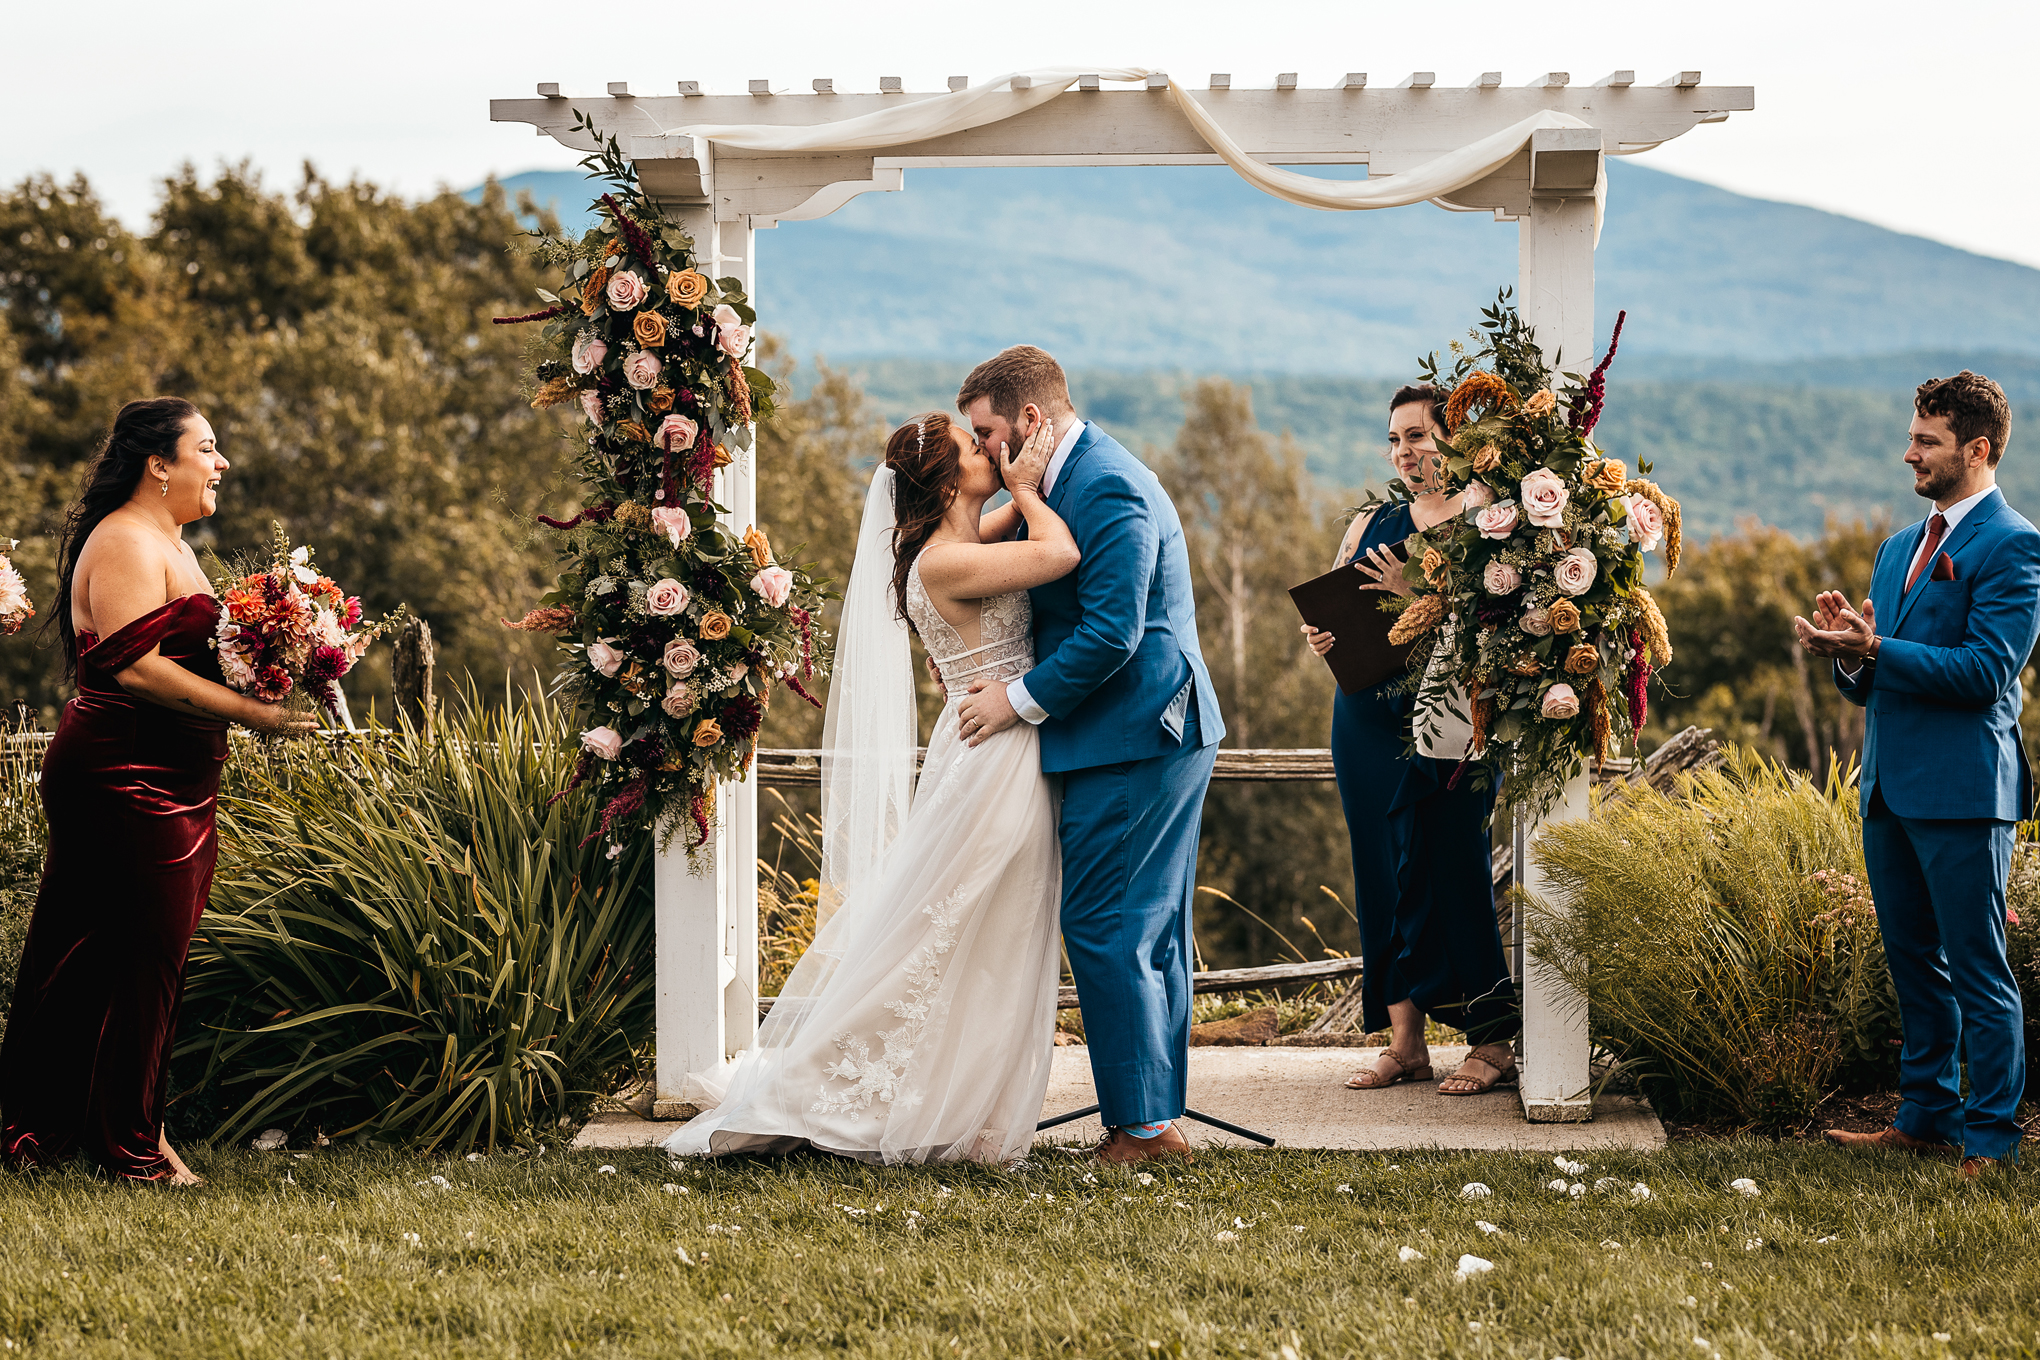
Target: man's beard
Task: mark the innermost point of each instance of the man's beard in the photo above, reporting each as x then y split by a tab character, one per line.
1937	484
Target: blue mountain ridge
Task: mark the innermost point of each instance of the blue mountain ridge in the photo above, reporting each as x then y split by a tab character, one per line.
1191	268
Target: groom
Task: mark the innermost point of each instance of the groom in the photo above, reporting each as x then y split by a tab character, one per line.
1128	717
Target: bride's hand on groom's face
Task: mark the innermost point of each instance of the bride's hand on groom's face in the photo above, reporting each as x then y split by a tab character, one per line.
984	711
1030	465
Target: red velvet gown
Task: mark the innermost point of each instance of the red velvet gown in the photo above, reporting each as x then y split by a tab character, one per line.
128	787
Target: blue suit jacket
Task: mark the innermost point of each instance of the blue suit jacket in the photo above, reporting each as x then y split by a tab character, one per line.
1117	638
1944	695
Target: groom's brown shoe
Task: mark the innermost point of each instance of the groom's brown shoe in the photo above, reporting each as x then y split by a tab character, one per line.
1891	1140
1120	1148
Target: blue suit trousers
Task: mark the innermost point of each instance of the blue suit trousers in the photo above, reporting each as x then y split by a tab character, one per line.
1129	846
1939	885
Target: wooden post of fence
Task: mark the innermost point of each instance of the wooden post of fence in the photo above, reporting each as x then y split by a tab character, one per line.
411	666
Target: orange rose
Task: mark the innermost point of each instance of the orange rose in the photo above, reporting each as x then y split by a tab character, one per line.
1487	458
1435	566
708	733
1541	402
648	329
715	625
1565	616
760	546
661	398
1583	659
1527	664
686	288
1607	475
630	429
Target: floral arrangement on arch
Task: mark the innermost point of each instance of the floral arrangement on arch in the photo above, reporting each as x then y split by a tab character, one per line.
676	629
15	607
1532	602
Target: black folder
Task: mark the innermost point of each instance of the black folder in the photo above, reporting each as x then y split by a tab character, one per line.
1336	603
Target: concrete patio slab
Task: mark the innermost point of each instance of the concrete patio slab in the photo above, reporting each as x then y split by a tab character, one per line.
1297	1096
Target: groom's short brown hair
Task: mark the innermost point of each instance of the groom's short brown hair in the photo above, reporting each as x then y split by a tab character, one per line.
1974	405
1014	377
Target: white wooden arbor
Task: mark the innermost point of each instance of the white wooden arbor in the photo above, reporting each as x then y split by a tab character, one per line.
707	925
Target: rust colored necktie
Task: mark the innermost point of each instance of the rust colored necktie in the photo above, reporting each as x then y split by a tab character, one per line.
1935	528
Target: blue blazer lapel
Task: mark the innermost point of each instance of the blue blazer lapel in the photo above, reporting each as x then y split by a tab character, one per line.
1972	523
1088	440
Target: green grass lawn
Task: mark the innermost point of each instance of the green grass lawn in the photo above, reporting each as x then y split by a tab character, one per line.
346	1253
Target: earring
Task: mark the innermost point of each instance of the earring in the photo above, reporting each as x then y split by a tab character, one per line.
166	486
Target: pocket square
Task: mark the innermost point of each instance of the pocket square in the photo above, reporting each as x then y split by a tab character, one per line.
1944	568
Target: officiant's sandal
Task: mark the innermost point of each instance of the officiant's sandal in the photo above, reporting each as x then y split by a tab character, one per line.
1373	1078
1498	1058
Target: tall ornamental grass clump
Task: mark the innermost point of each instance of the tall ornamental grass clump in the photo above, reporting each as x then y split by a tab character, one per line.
408	942
1726	943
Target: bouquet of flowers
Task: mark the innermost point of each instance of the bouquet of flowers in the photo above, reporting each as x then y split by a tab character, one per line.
676	629
286	630
1532	602
15	609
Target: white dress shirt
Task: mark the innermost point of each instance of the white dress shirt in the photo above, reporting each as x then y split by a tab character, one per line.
1953	516
1016	690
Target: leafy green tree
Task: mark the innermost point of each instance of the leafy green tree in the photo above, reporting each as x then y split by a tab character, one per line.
1255	525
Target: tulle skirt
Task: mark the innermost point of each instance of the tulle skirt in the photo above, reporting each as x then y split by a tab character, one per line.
919	1025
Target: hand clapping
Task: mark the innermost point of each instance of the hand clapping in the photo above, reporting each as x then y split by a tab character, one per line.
1838	631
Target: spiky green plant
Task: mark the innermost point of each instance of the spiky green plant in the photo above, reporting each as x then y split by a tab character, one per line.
1724	943
410	943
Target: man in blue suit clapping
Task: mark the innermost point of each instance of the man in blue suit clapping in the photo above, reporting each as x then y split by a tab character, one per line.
1130	720
1935	655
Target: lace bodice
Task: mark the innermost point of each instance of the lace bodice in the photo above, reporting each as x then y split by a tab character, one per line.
1005	649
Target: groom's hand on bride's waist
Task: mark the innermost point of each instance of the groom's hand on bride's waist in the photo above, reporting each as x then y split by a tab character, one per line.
985	710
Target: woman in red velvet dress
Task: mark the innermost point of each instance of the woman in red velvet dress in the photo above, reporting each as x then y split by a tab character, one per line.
128	786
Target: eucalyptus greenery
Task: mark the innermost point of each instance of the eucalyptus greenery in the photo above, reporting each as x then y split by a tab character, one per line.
414	942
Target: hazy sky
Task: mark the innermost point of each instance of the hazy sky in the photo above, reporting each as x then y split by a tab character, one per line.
1901	114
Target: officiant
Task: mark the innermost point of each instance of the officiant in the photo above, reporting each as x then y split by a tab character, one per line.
1423	891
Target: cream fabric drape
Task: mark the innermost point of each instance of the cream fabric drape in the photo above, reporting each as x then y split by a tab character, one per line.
996	100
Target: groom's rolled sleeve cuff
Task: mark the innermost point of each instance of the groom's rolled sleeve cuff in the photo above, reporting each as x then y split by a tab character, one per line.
1023	703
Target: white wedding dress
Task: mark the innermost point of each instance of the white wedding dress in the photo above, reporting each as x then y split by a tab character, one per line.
919	1025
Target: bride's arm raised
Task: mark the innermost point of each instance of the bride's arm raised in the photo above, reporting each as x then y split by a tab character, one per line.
977	571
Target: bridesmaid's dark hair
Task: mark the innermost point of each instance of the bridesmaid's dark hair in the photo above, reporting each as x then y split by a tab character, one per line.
142	429
925	471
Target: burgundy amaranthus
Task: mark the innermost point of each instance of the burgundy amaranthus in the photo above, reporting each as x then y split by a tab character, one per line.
1584	418
1639	681
634	238
546	315
626	804
698	811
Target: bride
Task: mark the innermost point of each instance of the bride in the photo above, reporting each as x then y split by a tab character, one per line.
919	1024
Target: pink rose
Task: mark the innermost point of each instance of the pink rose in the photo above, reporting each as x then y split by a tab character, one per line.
1646	523
773	585
1479	494
641	370
591	407
1560	702
681	657
589	349
1575	571
1537	623
604	657
674	524
1497	520
626	290
666	598
1500	578
726	315
679	701
605	742
733	340
676	433
1544	498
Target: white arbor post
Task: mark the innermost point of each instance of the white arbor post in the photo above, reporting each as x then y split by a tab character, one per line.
707	923
1555	293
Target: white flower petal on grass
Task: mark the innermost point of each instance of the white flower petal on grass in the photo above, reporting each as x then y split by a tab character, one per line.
1611	1244
1226	1237
1703	1343
1181	1204
413	1239
1743	1185
1485	1226
1707	1265
1473	1326
1241	1223
1408	1254
605	1170
1606	1184
1576	1190
673	1189
1299	1228
1823	1241
442	1182
1558	1185
1639	1191
1752	1244
1474	1190
684	1257
1941	1336
1345	1190
1470	1266
1145	1179
1568	1167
